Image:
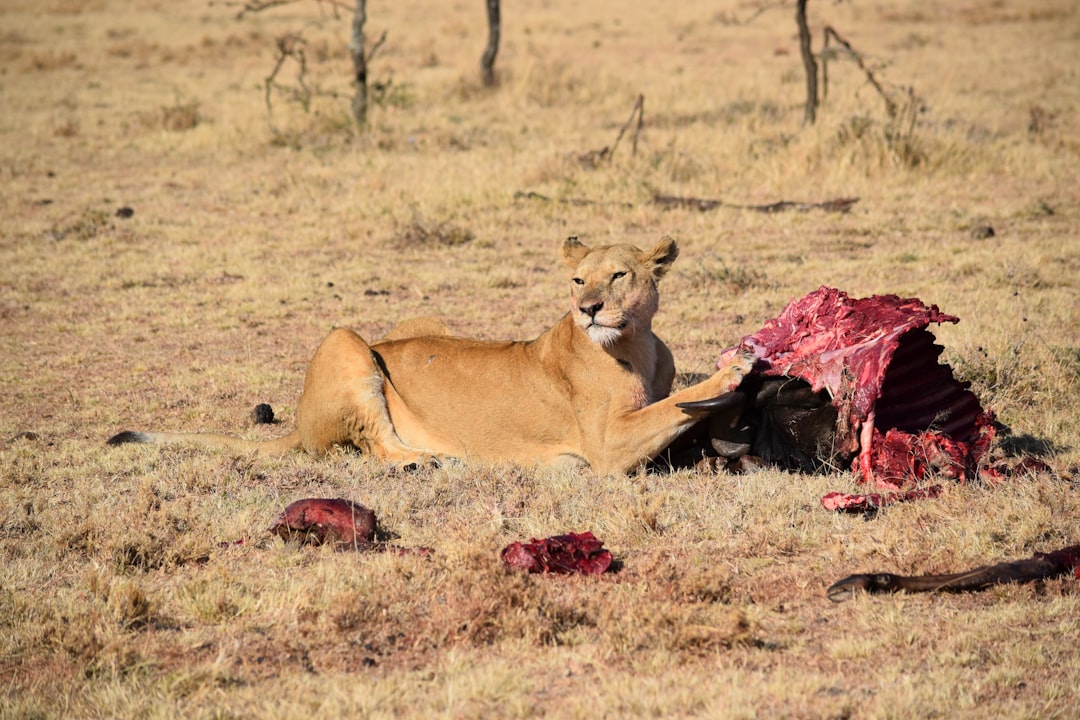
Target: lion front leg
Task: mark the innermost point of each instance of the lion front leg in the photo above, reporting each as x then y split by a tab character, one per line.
344	403
639	436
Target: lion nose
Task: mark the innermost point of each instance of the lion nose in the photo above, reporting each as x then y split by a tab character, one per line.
592	308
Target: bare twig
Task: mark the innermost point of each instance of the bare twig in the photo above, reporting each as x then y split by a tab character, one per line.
255	6
830	33
841	205
728	19
576	202
375	46
639	110
691	203
593	158
289	45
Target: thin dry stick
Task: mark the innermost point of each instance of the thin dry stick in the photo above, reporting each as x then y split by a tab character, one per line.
841	205
577	202
890	106
639	110
728	19
289	45
375	46
254	6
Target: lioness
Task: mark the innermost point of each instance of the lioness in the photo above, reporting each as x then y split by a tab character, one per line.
590	392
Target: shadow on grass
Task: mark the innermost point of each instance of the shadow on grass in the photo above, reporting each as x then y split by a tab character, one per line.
1024	444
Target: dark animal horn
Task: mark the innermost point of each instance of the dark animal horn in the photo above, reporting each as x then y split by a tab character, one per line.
720	402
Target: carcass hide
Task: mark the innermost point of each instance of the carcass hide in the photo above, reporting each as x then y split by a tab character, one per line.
854	382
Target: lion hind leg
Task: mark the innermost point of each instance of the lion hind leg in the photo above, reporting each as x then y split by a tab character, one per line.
370	429
344	403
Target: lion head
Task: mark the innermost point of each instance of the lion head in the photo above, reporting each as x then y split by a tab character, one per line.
613	288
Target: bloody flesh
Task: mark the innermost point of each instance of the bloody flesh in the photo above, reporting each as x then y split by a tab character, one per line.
571	553
900	412
325	520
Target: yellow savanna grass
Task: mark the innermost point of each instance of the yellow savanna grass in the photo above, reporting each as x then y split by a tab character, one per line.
124	589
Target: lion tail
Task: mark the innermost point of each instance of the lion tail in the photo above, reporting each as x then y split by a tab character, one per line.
278	446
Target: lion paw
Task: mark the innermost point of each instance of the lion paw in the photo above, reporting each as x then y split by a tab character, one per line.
420	462
735	364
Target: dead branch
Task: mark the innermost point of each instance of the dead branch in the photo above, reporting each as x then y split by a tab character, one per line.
289	45
841	205
376	46
255	6
670	202
576	202
830	33
593	158
725	18
639	110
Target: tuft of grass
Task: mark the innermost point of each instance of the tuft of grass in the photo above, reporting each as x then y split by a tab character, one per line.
424	233
178	117
715	272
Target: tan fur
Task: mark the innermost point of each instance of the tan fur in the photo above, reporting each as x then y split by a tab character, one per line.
591	391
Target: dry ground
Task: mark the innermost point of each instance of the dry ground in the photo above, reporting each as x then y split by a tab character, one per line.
122	592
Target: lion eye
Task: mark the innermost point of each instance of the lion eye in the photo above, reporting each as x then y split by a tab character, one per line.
616	276
579	281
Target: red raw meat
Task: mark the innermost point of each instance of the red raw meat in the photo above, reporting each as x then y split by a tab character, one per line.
322	520
571	553
873	501
899	409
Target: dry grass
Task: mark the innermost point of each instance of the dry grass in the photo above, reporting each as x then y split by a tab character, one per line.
122	592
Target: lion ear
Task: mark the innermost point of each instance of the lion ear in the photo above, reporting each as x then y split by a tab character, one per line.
661	256
573	251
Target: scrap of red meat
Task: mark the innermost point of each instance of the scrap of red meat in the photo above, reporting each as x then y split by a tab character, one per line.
323	520
873	501
899	409
570	553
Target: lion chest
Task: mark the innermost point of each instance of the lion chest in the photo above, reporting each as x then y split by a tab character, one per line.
634	391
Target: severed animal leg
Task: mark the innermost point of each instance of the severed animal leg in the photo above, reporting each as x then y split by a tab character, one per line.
1041	566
